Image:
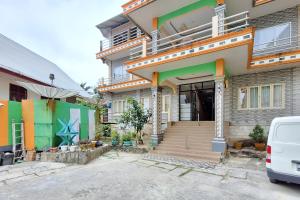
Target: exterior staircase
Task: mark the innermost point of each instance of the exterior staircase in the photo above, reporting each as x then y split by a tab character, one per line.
190	140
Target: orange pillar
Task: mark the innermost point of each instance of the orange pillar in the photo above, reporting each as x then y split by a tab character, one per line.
28	117
4	123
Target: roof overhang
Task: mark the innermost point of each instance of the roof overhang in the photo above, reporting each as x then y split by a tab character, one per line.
235	48
108	25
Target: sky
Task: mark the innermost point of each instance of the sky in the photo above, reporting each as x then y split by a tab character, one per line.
62	31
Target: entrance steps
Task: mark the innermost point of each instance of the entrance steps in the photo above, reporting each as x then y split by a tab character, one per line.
190	140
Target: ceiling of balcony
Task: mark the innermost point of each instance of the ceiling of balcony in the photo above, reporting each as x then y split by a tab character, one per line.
237	6
144	15
187	21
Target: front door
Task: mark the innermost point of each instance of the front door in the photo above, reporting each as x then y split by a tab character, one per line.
197	101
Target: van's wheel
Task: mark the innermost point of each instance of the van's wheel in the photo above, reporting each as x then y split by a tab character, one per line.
273	180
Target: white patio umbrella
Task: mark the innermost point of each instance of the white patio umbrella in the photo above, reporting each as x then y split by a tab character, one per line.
47	91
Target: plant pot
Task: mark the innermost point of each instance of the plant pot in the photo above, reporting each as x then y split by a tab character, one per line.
94	144
134	143
127	143
73	148
64	148
114	142
260	146
238	145
53	150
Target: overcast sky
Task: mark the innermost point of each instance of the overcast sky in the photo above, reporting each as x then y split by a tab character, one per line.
62	31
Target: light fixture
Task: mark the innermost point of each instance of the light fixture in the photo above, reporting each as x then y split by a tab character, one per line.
1	105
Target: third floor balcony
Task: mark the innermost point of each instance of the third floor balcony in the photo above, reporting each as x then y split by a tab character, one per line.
119	43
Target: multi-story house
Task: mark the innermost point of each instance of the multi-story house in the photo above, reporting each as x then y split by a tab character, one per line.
213	68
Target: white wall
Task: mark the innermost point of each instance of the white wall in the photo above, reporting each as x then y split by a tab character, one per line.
5	80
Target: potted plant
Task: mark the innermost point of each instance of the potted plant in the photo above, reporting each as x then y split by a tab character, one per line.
258	135
126	139
238	145
133	139
115	138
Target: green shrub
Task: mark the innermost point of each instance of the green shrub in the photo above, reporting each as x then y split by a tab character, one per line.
115	135
258	134
106	130
126	137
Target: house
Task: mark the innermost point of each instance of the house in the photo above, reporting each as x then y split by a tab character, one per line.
18	63
209	70
25	113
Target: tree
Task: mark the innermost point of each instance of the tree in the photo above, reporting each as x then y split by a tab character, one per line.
135	117
86	87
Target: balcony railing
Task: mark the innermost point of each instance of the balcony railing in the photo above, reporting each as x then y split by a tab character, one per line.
229	24
120	38
277	46
115	80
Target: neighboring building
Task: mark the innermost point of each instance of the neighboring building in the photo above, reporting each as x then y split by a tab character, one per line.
18	63
214	67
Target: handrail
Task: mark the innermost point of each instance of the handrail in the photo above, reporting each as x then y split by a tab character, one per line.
114	80
273	47
231	23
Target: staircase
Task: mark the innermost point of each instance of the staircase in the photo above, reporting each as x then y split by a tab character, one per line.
190	140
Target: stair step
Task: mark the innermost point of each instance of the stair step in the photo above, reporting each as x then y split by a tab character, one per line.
191	155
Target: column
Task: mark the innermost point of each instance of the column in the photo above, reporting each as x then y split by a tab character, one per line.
220	13
156	115
219	143
154	35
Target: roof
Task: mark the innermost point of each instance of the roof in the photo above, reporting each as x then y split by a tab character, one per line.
22	61
108	25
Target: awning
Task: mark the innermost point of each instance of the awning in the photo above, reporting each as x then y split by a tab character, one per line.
47	91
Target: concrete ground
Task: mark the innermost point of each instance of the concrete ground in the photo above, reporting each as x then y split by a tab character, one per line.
129	176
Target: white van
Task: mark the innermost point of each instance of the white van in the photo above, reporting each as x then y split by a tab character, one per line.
283	150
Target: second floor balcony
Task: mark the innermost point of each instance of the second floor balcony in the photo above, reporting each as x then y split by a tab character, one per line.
228	38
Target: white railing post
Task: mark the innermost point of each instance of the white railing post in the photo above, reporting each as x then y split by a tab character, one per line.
144	48
220	13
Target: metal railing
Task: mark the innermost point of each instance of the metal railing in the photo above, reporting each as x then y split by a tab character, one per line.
114	80
120	38
202	32
277	46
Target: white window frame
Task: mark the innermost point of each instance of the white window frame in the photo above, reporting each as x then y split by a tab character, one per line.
143	103
118	110
170	104
259	97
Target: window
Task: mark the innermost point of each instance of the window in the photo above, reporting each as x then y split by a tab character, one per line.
119	106
145	102
287	133
17	93
261	97
274	36
166	106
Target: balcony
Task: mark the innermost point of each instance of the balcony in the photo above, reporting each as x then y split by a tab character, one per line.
280	52
229	38
122	83
116	47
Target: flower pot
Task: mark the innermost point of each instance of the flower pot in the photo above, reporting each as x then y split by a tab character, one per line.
64	148
114	142
260	146
134	143
94	144
127	143
238	145
73	148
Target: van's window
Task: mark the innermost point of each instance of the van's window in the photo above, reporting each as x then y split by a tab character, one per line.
288	133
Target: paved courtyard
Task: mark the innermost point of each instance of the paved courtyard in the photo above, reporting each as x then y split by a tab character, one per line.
119	175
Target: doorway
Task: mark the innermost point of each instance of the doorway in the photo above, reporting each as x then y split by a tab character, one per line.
197	101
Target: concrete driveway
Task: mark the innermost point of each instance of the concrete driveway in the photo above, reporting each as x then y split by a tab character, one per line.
129	176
